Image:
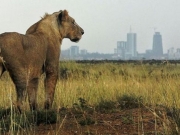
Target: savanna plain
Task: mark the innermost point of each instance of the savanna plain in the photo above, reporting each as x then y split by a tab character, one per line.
101	98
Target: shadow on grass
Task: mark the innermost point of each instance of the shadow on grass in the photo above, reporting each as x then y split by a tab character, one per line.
12	119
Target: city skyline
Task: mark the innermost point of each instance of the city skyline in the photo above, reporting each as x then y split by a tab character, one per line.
134	35
126	50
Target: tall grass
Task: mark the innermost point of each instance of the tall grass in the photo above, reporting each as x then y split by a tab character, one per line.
155	84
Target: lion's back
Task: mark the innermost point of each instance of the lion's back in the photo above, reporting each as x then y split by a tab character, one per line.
9	38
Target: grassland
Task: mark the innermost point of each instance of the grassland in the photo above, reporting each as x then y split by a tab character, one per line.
112	86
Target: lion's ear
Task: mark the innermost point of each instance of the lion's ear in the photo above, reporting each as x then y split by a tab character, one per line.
66	13
63	15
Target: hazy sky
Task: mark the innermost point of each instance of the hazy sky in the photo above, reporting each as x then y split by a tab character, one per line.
104	21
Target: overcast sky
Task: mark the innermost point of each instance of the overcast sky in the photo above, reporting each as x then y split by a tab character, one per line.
104	21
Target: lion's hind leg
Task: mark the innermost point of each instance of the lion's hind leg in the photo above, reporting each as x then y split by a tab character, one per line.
32	93
21	96
25	88
19	79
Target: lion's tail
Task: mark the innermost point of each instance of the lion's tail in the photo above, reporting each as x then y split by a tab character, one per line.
2	64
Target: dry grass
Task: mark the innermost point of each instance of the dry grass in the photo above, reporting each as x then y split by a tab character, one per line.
155	84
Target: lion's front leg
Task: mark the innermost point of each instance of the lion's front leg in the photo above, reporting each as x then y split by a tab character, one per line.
50	84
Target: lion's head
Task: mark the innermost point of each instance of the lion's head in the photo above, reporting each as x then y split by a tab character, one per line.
68	27
60	21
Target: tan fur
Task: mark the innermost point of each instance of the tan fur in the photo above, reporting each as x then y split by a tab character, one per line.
27	56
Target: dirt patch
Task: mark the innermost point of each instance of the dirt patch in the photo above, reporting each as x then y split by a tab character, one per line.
127	122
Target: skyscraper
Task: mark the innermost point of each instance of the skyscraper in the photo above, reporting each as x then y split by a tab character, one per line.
121	48
74	51
157	49
131	44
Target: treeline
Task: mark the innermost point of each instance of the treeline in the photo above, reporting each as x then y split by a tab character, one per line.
153	61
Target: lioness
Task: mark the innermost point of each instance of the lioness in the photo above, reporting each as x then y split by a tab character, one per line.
27	56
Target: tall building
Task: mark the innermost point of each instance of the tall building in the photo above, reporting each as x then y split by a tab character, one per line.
131	44
74	51
121	48
157	48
